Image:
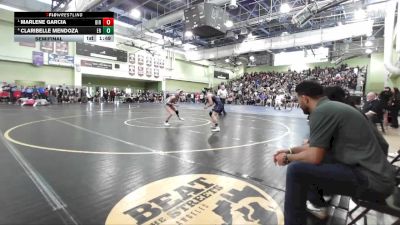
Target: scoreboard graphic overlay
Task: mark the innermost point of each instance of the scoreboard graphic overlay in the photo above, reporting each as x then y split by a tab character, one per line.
64	26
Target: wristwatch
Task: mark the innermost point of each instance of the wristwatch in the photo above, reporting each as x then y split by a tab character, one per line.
286	159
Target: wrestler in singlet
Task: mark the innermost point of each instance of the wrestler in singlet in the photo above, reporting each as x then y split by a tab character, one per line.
170	106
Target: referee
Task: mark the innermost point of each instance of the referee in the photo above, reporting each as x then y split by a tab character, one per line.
222	94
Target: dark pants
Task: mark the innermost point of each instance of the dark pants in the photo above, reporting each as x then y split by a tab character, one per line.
12	97
394	113
301	178
223	104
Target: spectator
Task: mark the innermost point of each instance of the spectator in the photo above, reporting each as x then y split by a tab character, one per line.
274	83
112	95
29	92
52	95
35	92
42	93
373	108
105	94
359	167
13	89
385	97
60	92
394	108
335	93
192	97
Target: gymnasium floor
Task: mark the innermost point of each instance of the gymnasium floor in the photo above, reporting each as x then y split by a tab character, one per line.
118	164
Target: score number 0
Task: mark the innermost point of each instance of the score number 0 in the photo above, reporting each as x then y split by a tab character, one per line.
104	30
108	22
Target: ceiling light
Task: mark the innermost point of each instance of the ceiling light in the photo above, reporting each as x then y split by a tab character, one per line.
9	8
251	58
227	60
229	23
285	8
368	44
284	34
188	34
45	1
122	24
135	13
368	51
359	14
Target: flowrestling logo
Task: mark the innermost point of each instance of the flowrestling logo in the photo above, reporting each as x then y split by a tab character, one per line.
197	199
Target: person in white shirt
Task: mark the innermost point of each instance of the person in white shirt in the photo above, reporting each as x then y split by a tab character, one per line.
223	94
279	101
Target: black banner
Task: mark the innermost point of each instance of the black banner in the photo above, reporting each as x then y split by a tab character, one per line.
101	52
59	30
221	75
98	65
23	22
63	14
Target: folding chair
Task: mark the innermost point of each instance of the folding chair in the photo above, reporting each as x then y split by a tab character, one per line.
390	206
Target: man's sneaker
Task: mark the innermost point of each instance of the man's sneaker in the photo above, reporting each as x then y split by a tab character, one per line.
167	124
180	118
319	212
215	129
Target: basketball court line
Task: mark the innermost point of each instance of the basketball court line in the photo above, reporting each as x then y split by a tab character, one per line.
148	149
167	154
49	194
164	127
180	158
195	131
